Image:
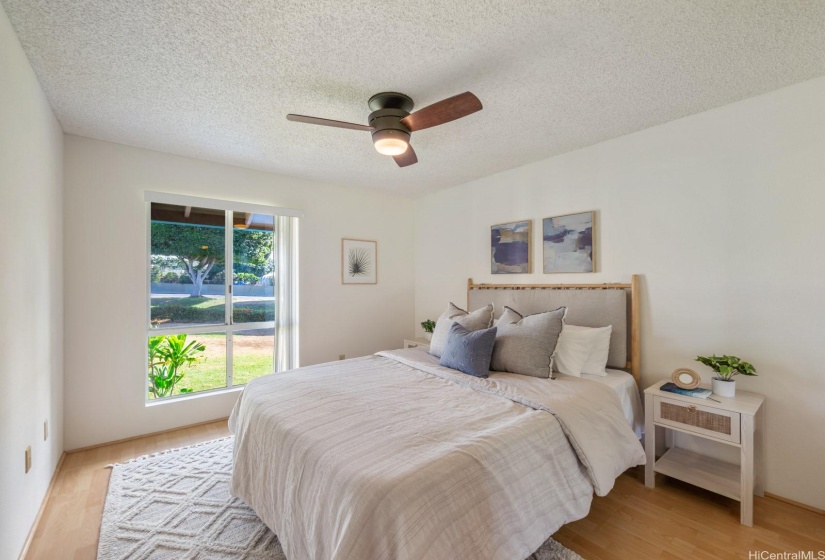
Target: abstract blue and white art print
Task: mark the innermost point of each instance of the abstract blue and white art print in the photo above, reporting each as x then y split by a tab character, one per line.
568	243
510	248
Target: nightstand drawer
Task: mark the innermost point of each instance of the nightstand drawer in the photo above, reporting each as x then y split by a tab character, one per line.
705	420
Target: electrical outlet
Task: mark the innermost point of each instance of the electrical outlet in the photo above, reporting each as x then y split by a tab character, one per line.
45	430
28	458
342	356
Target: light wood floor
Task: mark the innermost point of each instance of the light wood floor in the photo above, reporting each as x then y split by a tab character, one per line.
675	520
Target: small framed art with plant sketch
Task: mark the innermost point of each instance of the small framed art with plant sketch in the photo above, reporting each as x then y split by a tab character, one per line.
359	261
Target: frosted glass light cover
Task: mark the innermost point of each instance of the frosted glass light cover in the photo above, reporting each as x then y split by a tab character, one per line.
390	146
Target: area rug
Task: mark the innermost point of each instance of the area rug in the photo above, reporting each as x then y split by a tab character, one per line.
176	505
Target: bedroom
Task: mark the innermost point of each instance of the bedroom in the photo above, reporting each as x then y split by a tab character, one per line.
693	131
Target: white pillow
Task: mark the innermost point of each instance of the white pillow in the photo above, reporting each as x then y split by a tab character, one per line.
573	350
475	321
599	339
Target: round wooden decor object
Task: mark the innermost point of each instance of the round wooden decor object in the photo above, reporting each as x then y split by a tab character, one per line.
685	378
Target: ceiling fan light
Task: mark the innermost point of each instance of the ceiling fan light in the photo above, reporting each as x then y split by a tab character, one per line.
390	146
390	142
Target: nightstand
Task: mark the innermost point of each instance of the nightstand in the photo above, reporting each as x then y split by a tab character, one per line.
422	343
735	421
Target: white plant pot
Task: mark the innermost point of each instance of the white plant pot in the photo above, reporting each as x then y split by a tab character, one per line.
428	336
724	388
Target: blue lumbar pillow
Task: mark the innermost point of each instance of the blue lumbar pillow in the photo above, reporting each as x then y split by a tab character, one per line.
469	351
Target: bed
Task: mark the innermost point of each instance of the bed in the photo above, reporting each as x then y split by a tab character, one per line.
394	457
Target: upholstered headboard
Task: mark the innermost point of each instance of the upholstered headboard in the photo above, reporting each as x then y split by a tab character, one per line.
588	305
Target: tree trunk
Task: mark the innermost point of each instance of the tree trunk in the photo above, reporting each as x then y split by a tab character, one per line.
197	285
197	274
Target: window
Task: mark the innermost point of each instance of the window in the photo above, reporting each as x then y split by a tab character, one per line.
222	297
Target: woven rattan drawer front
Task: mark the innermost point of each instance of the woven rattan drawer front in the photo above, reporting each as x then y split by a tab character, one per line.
707	421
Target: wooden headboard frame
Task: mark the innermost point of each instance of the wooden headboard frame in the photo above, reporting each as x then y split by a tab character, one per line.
634	363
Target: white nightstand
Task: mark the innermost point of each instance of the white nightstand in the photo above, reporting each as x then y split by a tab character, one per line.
735	421
422	343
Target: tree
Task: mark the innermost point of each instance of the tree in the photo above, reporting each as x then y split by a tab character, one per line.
197	248
200	248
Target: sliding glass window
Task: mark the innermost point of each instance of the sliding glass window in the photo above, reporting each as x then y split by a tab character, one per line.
222	294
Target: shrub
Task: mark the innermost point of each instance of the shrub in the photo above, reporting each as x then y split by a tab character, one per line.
167	355
246	278
186	314
216	278
254	314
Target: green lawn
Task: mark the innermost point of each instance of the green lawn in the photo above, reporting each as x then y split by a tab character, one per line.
252	358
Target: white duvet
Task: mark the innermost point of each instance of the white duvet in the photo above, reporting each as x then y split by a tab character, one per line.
392	457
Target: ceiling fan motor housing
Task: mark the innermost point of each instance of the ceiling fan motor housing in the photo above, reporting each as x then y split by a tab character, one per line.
388	109
391	100
386	123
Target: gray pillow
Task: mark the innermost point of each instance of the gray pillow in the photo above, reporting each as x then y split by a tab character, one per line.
526	345
475	321
469	351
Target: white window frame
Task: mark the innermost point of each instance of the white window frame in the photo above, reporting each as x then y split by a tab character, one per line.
228	326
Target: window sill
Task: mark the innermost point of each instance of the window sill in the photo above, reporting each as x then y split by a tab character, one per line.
192	396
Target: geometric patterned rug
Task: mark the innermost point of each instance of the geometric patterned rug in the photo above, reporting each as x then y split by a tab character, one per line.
175	505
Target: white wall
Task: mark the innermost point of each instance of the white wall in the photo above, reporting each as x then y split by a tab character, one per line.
31	291
106	278
723	213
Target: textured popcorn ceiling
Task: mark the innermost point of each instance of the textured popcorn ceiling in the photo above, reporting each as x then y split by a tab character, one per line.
214	79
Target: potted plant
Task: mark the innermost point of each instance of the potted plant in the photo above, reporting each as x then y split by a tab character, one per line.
429	327
726	367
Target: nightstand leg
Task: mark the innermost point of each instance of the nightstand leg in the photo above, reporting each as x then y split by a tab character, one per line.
650	443
746	505
758	450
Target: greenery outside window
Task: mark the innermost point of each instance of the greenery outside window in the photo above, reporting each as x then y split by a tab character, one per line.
222	293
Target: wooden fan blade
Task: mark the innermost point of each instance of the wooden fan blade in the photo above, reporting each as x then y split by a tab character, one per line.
407	158
443	111
327	122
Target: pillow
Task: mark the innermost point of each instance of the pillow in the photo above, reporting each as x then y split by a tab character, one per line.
597	361
573	349
475	321
509	315
526	345
469	351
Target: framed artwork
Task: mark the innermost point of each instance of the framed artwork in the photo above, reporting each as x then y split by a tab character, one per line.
510	248
359	261
568	243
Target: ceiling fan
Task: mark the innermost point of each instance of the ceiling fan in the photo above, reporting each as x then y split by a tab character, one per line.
391	122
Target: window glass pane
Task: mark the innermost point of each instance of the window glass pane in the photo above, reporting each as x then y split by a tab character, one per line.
253	354
187	266
181	363
253	284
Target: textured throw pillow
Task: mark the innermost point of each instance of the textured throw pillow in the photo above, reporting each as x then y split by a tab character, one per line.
526	346
469	351
597	361
475	321
509	315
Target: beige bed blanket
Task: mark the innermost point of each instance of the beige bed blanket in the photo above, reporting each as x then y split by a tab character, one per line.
394	457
